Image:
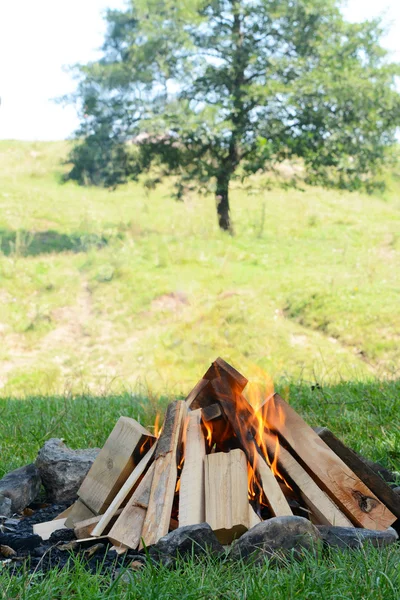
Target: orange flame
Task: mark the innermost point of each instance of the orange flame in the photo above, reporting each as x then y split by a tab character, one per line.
209	430
157	428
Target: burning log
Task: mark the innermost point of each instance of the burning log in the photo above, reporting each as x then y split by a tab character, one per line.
165	474
202	394
114	463
242	418
191	493
320	505
220	460
227	504
358	503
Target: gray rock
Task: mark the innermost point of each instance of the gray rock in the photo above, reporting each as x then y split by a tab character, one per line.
277	537
21	486
192	540
397	490
62	469
5	506
351	537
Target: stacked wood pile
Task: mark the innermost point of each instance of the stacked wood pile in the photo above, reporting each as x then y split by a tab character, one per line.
221	461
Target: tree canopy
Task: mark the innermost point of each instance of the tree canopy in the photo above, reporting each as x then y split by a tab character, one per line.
212	90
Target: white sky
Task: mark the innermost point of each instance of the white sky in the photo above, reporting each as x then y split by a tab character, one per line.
39	37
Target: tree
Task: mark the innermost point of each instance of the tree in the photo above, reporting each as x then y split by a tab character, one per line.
213	90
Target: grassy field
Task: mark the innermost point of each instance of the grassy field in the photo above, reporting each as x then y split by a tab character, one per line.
114	302
130	290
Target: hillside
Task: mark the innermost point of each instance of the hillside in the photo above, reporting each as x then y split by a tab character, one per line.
131	290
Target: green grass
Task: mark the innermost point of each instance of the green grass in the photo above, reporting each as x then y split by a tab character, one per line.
361	575
113	303
129	289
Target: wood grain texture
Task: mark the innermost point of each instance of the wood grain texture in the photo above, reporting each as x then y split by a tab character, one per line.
240	414
202	394
158	515
199	395
114	463
84	529
78	512
47	528
322	507
227	504
65	513
128	527
343	486
372	480
125	491
191	493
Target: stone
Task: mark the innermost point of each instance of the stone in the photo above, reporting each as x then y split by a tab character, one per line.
277	537
5	506
62	469
192	540
397	490
351	537
21	486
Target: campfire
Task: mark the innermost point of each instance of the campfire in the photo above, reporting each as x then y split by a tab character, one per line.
219	459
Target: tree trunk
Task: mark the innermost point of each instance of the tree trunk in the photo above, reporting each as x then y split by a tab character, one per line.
222	200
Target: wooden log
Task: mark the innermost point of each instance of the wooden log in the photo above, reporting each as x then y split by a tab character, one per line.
84	529
191	493
158	515
242	418
373	481
65	513
212	412
124	491
227	504
128	528
254	519
114	463
347	491
322	507
202	394
199	395
48	527
79	512
220	369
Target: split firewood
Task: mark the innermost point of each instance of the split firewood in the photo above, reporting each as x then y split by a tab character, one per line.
65	513
321	506
199	395
84	529
343	486
241	416
202	394
166	459
114	463
375	483
212	412
254	519
118	548
128	527
191	493
77	512
124	491
227	504
48	527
